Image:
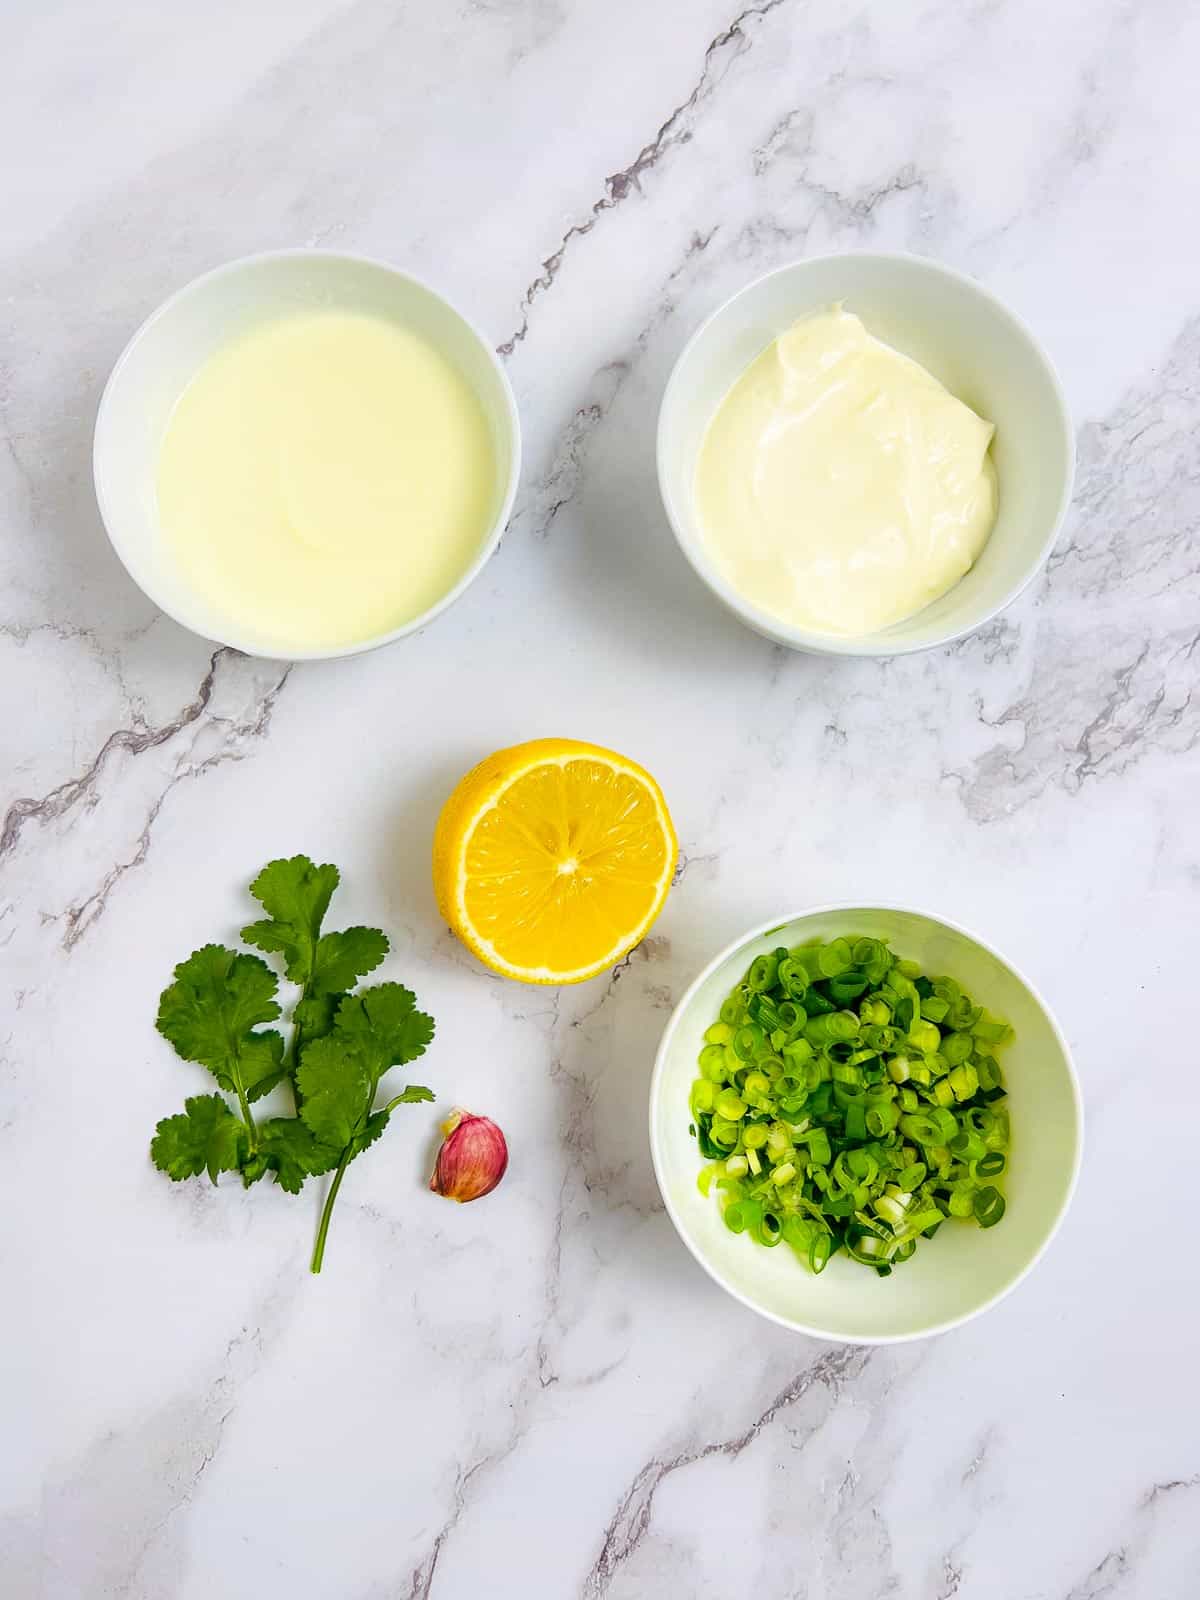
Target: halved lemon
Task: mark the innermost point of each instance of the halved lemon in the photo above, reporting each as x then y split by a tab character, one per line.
552	859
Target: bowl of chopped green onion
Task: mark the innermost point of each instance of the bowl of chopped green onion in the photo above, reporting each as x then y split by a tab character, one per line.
865	1123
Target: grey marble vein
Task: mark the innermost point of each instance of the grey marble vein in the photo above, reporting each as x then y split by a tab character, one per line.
235	734
1110	1574
567	473
631	1520
133	741
1124	583
720	52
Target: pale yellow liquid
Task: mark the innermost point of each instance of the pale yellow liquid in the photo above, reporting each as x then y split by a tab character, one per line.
325	479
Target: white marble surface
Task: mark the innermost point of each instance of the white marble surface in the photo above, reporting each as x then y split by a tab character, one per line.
542	1396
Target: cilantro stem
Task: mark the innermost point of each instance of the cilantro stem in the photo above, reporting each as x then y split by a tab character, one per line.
319	1248
247	1115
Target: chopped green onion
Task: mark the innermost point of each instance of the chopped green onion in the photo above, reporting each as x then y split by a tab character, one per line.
779	1142
746	1041
762	1009
921	1129
991	1032
834	958
890	1209
988	1069
730	1106
792	977
796	1052
712	1062
732	1010
945	1121
763	970
847	986
855	1126
955	1048
847	1101
882	1119
924	1036
819	1148
918	1222
967	1145
769	1230
989	1206
964	1081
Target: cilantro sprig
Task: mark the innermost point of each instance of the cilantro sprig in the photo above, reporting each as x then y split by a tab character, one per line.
342	1043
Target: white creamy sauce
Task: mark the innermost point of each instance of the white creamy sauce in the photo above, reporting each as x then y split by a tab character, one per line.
326	478
840	486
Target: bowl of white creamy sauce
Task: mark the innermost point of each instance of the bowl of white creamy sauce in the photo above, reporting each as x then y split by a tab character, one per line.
306	454
865	454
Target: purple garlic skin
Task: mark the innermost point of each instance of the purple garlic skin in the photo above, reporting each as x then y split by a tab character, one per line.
472	1160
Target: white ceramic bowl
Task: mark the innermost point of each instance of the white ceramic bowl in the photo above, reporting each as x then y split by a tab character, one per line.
178	338
965	1269
962	334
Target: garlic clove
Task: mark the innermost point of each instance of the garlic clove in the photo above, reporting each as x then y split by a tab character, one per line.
472	1160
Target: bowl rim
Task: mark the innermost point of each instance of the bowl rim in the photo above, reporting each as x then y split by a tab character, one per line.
674	1022
239	264
874	644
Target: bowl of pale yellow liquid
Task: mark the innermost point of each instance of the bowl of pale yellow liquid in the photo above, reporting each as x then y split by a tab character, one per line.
865	454
305	454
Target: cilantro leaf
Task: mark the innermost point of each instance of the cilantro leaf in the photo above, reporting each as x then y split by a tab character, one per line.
414	1095
205	1137
209	1013
314	1014
338	1073
336	1088
385	1023
252	1168
261	1060
294	1153
343	958
296	896
370	1131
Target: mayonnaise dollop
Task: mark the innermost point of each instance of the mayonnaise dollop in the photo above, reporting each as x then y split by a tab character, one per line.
839	486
